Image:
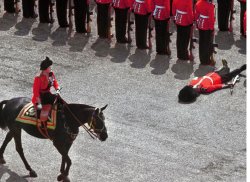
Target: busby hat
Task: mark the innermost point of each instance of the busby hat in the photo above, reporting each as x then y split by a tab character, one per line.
45	64
187	94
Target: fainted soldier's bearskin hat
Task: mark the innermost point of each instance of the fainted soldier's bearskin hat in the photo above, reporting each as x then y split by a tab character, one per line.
45	64
187	94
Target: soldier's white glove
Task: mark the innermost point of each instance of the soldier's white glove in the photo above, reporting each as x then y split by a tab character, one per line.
58	91
39	106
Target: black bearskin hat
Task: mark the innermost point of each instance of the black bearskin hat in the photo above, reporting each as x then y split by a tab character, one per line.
187	94
45	64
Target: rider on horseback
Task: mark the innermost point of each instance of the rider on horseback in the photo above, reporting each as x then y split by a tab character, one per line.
42	97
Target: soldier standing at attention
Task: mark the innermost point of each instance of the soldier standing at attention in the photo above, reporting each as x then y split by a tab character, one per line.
142	10
121	8
45	11
104	18
224	8
242	12
205	19
29	9
161	16
81	8
183	13
61	11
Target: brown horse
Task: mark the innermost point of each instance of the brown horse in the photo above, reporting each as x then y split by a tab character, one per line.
69	116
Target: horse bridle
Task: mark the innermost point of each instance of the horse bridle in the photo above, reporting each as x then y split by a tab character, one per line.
91	125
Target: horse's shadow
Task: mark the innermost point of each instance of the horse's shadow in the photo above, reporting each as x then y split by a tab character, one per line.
160	64
183	69
78	42
225	40
241	43
24	26
102	47
120	53
9	176
7	21
140	58
42	32
60	37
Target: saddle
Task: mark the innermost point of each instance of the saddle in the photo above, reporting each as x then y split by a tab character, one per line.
28	115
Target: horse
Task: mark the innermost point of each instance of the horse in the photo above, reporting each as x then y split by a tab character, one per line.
69	116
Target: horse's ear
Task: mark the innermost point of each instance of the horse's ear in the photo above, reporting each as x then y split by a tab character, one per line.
104	107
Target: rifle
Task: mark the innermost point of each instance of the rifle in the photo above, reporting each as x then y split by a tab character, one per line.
110	19
70	14
88	19
191	44
51	10
232	11
17	8
150	29
129	28
168	38
235	80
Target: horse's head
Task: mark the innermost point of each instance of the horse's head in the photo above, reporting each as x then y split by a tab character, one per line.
97	123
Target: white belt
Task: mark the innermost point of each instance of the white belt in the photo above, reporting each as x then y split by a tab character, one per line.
181	12
159	7
203	78
203	16
139	1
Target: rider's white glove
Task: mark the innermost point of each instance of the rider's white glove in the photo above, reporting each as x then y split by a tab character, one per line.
39	106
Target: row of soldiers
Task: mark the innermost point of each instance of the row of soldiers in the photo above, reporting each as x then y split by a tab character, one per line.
185	14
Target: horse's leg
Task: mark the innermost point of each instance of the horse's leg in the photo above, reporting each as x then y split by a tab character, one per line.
60	177
7	139
19	149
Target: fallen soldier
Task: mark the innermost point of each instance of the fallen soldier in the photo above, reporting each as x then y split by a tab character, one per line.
209	83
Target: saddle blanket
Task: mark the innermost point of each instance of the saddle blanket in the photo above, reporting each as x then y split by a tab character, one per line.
28	116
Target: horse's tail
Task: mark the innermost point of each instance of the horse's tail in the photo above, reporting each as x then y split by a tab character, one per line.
2	121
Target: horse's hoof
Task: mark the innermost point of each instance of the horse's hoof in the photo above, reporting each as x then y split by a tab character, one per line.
33	174
60	177
66	179
2	161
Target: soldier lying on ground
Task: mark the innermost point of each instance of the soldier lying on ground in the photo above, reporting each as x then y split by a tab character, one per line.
209	83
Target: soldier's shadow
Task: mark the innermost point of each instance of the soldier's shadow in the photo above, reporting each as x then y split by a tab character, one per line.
241	43
225	40
7	21
60	37
183	69
24	26
140	58
78	42
102	47
203	70
119	53
41	32
160	64
9	176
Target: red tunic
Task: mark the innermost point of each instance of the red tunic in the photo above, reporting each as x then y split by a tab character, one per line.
122	4
142	7
41	84
204	15
103	1
210	82
182	10
161	9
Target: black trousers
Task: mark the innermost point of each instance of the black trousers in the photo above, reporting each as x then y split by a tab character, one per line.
205	46
103	20
182	41
61	11
226	75
121	24
161	36
9	6
43	10
141	29
80	15
242	12
224	8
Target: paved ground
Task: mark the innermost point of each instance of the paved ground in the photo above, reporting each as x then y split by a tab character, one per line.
152	137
